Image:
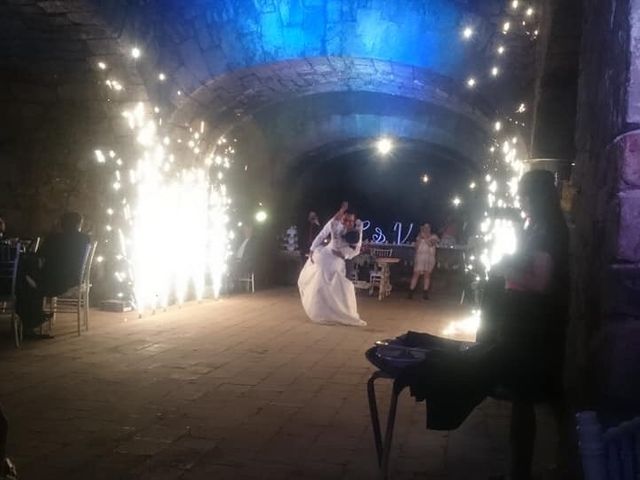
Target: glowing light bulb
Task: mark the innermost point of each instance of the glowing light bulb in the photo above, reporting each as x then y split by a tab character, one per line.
102	65
498	126
384	145
495	71
100	156
162	77
456	202
261	216
500	50
472	185
506	27
425	178
529	11
471	82
135	52
515	4
467	33
522	108
99	259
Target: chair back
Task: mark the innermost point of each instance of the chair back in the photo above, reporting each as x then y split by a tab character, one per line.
9	260
609	454
381	252
34	245
85	274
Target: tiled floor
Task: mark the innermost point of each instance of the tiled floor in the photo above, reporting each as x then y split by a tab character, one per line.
242	388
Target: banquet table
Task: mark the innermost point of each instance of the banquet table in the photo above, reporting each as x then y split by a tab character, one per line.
406	252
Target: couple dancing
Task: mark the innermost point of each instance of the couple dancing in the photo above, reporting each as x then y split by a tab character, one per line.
328	297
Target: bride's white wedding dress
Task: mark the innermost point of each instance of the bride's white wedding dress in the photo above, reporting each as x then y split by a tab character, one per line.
328	297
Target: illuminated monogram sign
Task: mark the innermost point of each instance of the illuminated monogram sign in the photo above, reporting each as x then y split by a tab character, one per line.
398	236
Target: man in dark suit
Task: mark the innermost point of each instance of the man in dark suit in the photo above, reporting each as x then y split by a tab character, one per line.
244	257
56	270
309	233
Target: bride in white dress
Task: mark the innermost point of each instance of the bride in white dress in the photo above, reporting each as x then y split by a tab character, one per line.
328	297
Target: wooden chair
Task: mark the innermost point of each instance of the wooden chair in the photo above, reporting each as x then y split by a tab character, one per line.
609	454
76	299
9	261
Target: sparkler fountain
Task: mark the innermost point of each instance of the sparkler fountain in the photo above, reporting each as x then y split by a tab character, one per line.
168	230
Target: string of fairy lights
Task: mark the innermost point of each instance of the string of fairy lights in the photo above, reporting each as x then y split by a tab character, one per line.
168	207
503	167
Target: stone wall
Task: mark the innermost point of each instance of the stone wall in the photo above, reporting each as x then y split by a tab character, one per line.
605	327
55	110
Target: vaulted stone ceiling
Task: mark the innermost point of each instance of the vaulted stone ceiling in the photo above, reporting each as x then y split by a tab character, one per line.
241	65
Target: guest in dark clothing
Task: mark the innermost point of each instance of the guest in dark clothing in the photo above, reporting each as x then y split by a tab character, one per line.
309	233
244	258
520	347
55	270
7	469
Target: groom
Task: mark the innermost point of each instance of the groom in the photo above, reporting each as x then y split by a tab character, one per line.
346	218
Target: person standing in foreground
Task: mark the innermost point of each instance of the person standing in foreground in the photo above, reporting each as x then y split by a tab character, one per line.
425	259
309	233
328	297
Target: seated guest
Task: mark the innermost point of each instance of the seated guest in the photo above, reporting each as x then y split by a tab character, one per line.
244	257
58	268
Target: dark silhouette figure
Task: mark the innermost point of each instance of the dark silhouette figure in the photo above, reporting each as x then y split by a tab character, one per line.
55	269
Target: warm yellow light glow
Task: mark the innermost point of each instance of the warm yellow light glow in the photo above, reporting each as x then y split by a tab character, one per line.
506	27
529	11
102	65
501	50
425	178
464	328
467	33
135	52
162	77
495	71
261	216
456	201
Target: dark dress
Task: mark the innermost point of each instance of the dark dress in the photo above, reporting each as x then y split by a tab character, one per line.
520	346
